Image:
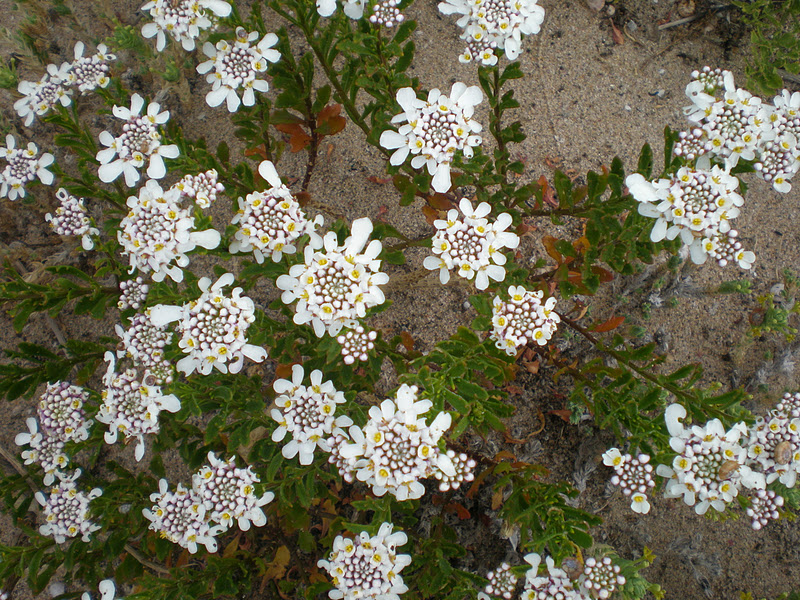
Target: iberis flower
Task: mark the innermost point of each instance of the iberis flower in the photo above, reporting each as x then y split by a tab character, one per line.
157	233
237	66
88	73
228	494
352	8
386	13
270	222
600	577
133	293
335	284
39	97
144	344
61	413
139	143
212	328
471	244
765	506
397	448
774	447
107	591
44	450
709	469
202	188
22	168
435	130
633	475
66	510
180	516
553	583
524	318
72	219
307	414
502	582
356	344
697	204
131	405
183	20
494	23
367	568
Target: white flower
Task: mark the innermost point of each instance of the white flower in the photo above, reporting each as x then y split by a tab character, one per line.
335	285
552	584
367	567
90	72
180	516
228	494
44	450
22	168
144	344
352	8
202	188
471	245
307	414
435	130
764	507
107	591
270	222
237	66
773	447
386	13
132	404
600	577
356	344
157	233
38	98
139	143
183	20
72	219
633	475
212	328
133	293
61	412
66	512
522	319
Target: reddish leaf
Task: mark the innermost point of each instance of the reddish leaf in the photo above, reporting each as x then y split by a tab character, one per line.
553	162
298	138
458	509
532	367
563	414
440	201
473	489
257	151
303	198
329	122
609	325
514	390
283	371
605	274
616	34
379	180
504	454
548	193
431	214
549	243
407	341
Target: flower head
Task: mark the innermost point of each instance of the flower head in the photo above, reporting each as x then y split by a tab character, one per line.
202	188
39	97
180	516
66	512
133	293
182	20
356	344
22	168
72	219
144	344
601	577
61	413
502	582
633	475
435	130
44	450
237	66
524	318
88	73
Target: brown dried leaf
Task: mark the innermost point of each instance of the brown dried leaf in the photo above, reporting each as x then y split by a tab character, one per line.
379	180
610	325
329	122
431	214
277	568
298	138
532	367
497	499
458	509
407	341
616	34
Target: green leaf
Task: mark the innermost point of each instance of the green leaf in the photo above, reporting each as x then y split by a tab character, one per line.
645	166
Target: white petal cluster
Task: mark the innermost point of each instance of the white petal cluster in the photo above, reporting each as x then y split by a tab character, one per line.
182	20
131	405
271	221
139	143
335	285
435	130
554	584
385	13
463	466
352	8
524	318
66	512
709	469
237	66
471	245
157	233
24	165
85	73
212	328
732	124
356	344
107	591
633	475
774	447
765	506
202	188
228	494
180	516
397	448
61	414
307	414
367	567
498	22
72	219
144	344
44	450
600	577
502	582
133	293
697	204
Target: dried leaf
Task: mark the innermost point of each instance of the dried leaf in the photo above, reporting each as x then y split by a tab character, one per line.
298	138
303	198
458	509
609	325
231	548
407	341
562	413
257	151
277	568
283	371
379	180
329	122
431	214
440	201
616	34
532	367
497	499
504	454
549	243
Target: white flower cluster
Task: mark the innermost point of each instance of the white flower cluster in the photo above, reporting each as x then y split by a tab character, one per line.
598	579
352	8
61	413
107	591
396	448
183	20
524	318
435	130
335	285
697	204
85	73
732	124
463	466
237	66
633	475
502	582
764	507
131	405
202	188
72	219
22	168
133	293
66	511
307	414
144	344
490	24
386	13
709	469
367	567
139	143
471	244
45	450
157	233
212	328
221	494
356	344
271	221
